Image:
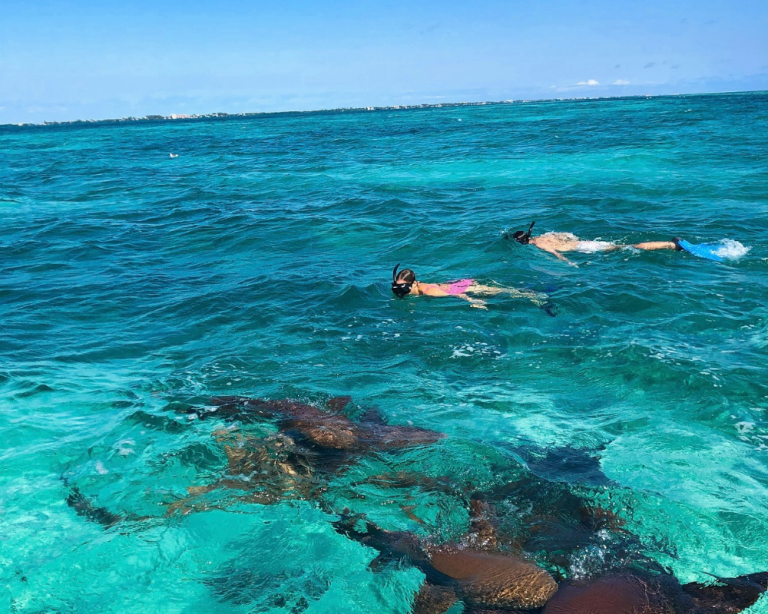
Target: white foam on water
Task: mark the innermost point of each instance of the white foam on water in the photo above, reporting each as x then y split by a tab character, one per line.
480	349
731	250
589	560
593	247
125	447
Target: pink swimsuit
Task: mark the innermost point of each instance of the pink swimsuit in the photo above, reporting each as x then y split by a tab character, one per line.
459	287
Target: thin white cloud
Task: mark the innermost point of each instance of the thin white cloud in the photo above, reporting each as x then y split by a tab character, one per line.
621	82
590	82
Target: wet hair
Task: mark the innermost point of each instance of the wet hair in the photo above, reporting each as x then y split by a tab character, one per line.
407	276
402	281
523	237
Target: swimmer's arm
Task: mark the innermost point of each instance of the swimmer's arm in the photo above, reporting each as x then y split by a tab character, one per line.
436	291
535	297
433	290
559	256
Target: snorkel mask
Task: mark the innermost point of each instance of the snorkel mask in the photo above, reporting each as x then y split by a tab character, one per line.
402	288
523	237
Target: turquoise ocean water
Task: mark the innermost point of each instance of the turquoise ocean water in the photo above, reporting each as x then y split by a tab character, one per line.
258	263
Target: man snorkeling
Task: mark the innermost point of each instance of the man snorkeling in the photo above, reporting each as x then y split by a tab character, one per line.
405	284
556	242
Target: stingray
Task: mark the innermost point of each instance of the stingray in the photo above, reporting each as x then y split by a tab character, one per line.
565	464
471	571
554	519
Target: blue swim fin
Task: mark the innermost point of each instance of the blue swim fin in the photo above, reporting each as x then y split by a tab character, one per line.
705	250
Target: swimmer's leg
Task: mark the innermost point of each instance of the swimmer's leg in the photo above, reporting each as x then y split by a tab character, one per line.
513	292
655	245
539	299
483	289
550	308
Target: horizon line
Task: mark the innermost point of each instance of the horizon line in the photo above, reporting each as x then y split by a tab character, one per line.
393	107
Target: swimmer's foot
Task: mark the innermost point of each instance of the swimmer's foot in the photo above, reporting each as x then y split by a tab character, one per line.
676	241
550	308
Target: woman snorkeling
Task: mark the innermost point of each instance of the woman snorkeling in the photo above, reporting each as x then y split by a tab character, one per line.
405	284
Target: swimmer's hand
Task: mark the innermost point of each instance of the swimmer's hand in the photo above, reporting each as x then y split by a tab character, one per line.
559	256
478	304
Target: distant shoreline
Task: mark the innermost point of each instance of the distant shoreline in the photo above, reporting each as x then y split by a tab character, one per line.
222	115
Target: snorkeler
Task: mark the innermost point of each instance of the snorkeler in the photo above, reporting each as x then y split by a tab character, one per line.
556	242
405	284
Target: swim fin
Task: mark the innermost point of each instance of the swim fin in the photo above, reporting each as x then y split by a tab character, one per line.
705	250
550	308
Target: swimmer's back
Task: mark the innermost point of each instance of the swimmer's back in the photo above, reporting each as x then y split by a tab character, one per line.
560	241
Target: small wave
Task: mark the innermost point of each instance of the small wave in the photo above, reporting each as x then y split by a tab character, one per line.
468	349
731	250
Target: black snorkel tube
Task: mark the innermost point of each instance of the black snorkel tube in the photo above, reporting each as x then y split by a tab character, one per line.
523	237
528	232
402	288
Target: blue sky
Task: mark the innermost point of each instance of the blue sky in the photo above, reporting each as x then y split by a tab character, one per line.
74	59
